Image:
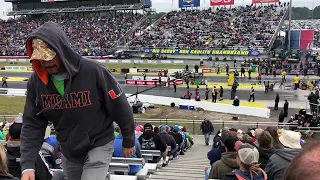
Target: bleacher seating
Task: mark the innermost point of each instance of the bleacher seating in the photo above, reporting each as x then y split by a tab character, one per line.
90	36
240	27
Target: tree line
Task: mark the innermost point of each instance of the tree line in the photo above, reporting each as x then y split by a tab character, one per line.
302	13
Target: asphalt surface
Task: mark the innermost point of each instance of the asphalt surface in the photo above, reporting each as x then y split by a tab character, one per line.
169	91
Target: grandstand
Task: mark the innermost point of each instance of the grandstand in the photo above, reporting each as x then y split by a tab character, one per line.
92	26
244	27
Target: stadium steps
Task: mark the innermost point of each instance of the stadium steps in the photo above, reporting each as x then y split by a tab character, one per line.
260	23
127	36
189	166
274	37
153	24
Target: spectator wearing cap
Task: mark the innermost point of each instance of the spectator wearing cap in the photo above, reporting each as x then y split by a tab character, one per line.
266	149
118	152
247	159
168	139
228	159
281	159
178	138
306	164
149	140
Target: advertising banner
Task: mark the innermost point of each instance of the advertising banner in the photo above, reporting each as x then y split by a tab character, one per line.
150	82
151	70
197	52
264	1
221	2
254	53
189	3
17	68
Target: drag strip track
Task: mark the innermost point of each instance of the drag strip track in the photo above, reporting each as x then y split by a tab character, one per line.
165	91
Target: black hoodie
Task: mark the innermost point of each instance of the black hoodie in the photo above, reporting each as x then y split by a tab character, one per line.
84	118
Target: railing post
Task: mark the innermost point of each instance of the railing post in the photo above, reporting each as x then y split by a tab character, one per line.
193	131
166	121
257	124
160	122
222	124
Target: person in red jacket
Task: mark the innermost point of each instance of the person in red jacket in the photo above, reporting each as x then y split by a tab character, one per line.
197	97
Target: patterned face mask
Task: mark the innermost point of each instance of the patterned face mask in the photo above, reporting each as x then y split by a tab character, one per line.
41	51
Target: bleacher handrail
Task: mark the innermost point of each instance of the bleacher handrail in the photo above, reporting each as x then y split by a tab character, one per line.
187	121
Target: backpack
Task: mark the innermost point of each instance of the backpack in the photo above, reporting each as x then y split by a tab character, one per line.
148	144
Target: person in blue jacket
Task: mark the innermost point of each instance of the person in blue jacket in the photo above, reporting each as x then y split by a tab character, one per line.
118	153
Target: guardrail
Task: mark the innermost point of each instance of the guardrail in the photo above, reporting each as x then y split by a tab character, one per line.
193	126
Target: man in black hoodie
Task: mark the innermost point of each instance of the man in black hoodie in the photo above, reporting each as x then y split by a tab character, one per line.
150	140
81	98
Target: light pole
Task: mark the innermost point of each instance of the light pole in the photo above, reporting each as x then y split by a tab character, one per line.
289	31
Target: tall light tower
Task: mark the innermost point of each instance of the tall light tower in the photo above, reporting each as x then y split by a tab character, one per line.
289	31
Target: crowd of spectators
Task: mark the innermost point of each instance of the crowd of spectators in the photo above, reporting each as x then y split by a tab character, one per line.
89	35
260	154
148	137
244	26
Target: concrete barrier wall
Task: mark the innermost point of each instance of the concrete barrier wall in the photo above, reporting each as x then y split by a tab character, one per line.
223	108
114	61
208	106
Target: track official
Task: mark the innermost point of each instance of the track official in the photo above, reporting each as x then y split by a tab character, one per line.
251	94
82	100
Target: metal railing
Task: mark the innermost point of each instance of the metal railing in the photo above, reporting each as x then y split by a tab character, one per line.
136	25
193	126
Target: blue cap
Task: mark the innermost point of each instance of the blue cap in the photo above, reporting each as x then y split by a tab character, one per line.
52	140
176	128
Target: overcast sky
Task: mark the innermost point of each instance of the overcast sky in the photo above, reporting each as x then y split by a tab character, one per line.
166	5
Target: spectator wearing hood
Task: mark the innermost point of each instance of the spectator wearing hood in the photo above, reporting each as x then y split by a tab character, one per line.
178	138
266	149
118	152
169	140
150	140
247	159
228	159
281	159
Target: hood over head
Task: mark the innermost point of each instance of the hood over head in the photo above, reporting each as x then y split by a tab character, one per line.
56	38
